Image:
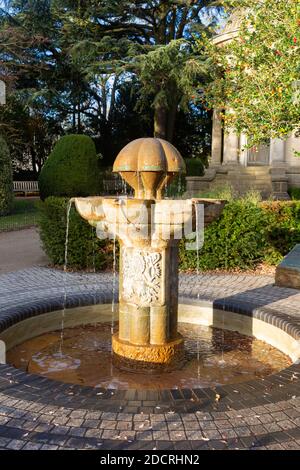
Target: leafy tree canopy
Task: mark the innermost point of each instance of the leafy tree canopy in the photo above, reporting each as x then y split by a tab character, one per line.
256	76
73	66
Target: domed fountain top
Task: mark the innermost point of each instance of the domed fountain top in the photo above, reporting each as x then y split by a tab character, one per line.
147	165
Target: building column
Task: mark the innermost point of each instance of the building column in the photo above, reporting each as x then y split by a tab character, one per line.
231	148
292	146
216	145
277	152
278	169
243	158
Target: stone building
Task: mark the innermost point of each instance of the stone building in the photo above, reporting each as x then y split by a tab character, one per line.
271	169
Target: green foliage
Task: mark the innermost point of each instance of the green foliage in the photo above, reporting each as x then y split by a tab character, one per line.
88	67
24	214
294	194
194	167
176	188
6	181
192	136
85	251
151	41
169	71
247	233
256	76
223	192
72	169
283	228
28	132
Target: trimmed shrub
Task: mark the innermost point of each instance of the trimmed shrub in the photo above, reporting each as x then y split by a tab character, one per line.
234	240
294	194
247	233
177	187
283	228
6	179
194	167
72	169
85	250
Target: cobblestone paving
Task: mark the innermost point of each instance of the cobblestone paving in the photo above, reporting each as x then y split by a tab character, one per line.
37	413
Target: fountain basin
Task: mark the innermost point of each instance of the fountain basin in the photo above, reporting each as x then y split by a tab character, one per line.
39	290
126	210
216	352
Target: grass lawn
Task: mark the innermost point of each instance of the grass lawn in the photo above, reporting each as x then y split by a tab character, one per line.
24	214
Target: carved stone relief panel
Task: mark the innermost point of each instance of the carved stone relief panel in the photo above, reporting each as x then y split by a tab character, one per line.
142	277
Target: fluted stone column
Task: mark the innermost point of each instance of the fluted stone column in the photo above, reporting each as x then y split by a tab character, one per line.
231	148
277	152
243	150
292	146
216	146
278	169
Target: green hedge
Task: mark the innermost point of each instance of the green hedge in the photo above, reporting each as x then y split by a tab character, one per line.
6	179
294	194
194	167
72	169
85	251
246	234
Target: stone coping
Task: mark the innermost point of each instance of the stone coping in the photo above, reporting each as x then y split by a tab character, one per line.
37	412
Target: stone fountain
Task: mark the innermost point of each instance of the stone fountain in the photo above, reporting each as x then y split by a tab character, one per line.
149	229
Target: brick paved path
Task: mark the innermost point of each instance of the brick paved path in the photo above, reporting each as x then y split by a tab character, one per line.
37	413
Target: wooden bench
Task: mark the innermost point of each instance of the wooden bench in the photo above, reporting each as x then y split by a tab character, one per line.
26	187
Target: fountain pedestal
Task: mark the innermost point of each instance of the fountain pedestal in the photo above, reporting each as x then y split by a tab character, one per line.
148	303
149	229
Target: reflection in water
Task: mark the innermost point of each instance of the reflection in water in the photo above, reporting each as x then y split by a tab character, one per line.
212	357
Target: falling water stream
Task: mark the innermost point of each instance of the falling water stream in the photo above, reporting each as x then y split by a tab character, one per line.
198	271
197	212
94	253
69	206
114	283
222	361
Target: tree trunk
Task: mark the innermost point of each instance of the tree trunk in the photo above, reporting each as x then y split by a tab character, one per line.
33	159
74	118
160	121
172	112
78	119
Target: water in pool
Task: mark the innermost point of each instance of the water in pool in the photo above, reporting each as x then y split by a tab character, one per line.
212	357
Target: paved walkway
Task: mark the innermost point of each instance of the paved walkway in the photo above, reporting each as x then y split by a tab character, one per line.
38	413
20	249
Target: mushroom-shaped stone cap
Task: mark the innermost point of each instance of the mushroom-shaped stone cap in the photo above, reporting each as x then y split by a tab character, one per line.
149	154
147	165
